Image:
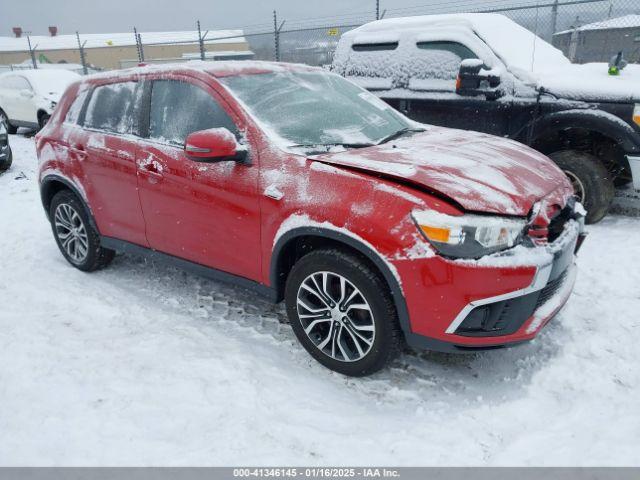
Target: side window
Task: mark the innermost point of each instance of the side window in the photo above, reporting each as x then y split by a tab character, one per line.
439	60
15	82
435	65
76	107
373	65
21	83
180	108
112	108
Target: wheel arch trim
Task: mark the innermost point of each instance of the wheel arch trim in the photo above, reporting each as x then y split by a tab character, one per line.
54	178
598	121
390	277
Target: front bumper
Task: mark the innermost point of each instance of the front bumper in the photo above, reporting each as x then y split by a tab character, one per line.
497	301
634	164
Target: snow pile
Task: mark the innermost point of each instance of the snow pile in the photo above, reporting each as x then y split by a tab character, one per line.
141	364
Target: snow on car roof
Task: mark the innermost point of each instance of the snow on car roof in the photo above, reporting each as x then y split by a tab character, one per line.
626	21
218	68
47	80
98	40
516	46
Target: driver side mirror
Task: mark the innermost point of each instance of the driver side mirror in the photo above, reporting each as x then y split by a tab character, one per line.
214	145
473	79
26	93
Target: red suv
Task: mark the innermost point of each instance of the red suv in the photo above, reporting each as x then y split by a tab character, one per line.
297	184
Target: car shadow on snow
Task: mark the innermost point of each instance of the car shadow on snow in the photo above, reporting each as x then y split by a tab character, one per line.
490	376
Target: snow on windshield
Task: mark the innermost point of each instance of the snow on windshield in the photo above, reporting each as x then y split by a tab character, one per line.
315	108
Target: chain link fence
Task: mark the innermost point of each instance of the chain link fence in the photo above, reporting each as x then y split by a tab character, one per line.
585	30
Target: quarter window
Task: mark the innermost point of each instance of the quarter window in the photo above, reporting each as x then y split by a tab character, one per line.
112	107
180	108
76	107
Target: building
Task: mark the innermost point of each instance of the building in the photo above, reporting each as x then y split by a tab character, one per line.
118	50
598	42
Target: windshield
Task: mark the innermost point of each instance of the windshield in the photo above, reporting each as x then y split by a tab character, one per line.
316	108
52	81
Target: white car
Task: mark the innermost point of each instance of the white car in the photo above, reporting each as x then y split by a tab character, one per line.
27	98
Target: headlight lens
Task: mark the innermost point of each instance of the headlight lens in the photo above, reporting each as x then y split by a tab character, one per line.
636	114
469	236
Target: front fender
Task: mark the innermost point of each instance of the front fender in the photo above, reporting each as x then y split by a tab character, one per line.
599	121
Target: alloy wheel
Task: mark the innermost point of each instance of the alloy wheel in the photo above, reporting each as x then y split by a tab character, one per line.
71	233
336	316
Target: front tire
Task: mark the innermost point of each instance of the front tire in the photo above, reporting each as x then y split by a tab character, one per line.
72	229
342	312
591	181
43	119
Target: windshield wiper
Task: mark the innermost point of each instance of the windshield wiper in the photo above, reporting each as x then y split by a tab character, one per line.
398	134
329	145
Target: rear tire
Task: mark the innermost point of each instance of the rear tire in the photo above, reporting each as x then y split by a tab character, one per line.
4	166
5	119
591	180
354	328
75	235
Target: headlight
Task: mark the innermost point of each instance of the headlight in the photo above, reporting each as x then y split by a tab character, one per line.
636	114
469	236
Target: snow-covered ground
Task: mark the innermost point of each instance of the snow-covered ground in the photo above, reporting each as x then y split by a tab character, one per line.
144	364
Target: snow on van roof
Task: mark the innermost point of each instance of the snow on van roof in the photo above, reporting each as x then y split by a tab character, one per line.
516	46
627	21
99	40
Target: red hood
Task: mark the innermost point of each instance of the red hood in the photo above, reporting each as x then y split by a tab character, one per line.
480	172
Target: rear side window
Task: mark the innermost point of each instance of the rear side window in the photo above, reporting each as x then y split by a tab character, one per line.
112	108
374	47
180	108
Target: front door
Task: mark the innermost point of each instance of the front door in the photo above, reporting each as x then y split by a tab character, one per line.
207	213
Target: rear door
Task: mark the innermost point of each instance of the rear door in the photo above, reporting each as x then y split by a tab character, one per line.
207	213
106	148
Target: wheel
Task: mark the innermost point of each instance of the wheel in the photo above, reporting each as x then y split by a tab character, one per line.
591	181
77	239
4	165
5	119
42	120
342	313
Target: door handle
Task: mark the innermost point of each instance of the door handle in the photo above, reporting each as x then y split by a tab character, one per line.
152	169
79	151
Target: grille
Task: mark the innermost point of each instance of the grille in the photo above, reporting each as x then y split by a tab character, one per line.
550	290
556	225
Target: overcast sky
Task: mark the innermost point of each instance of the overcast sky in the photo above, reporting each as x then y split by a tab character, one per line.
104	16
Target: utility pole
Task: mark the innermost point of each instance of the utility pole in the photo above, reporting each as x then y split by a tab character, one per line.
554	18
276	34
32	53
137	38
83	60
378	9
201	42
